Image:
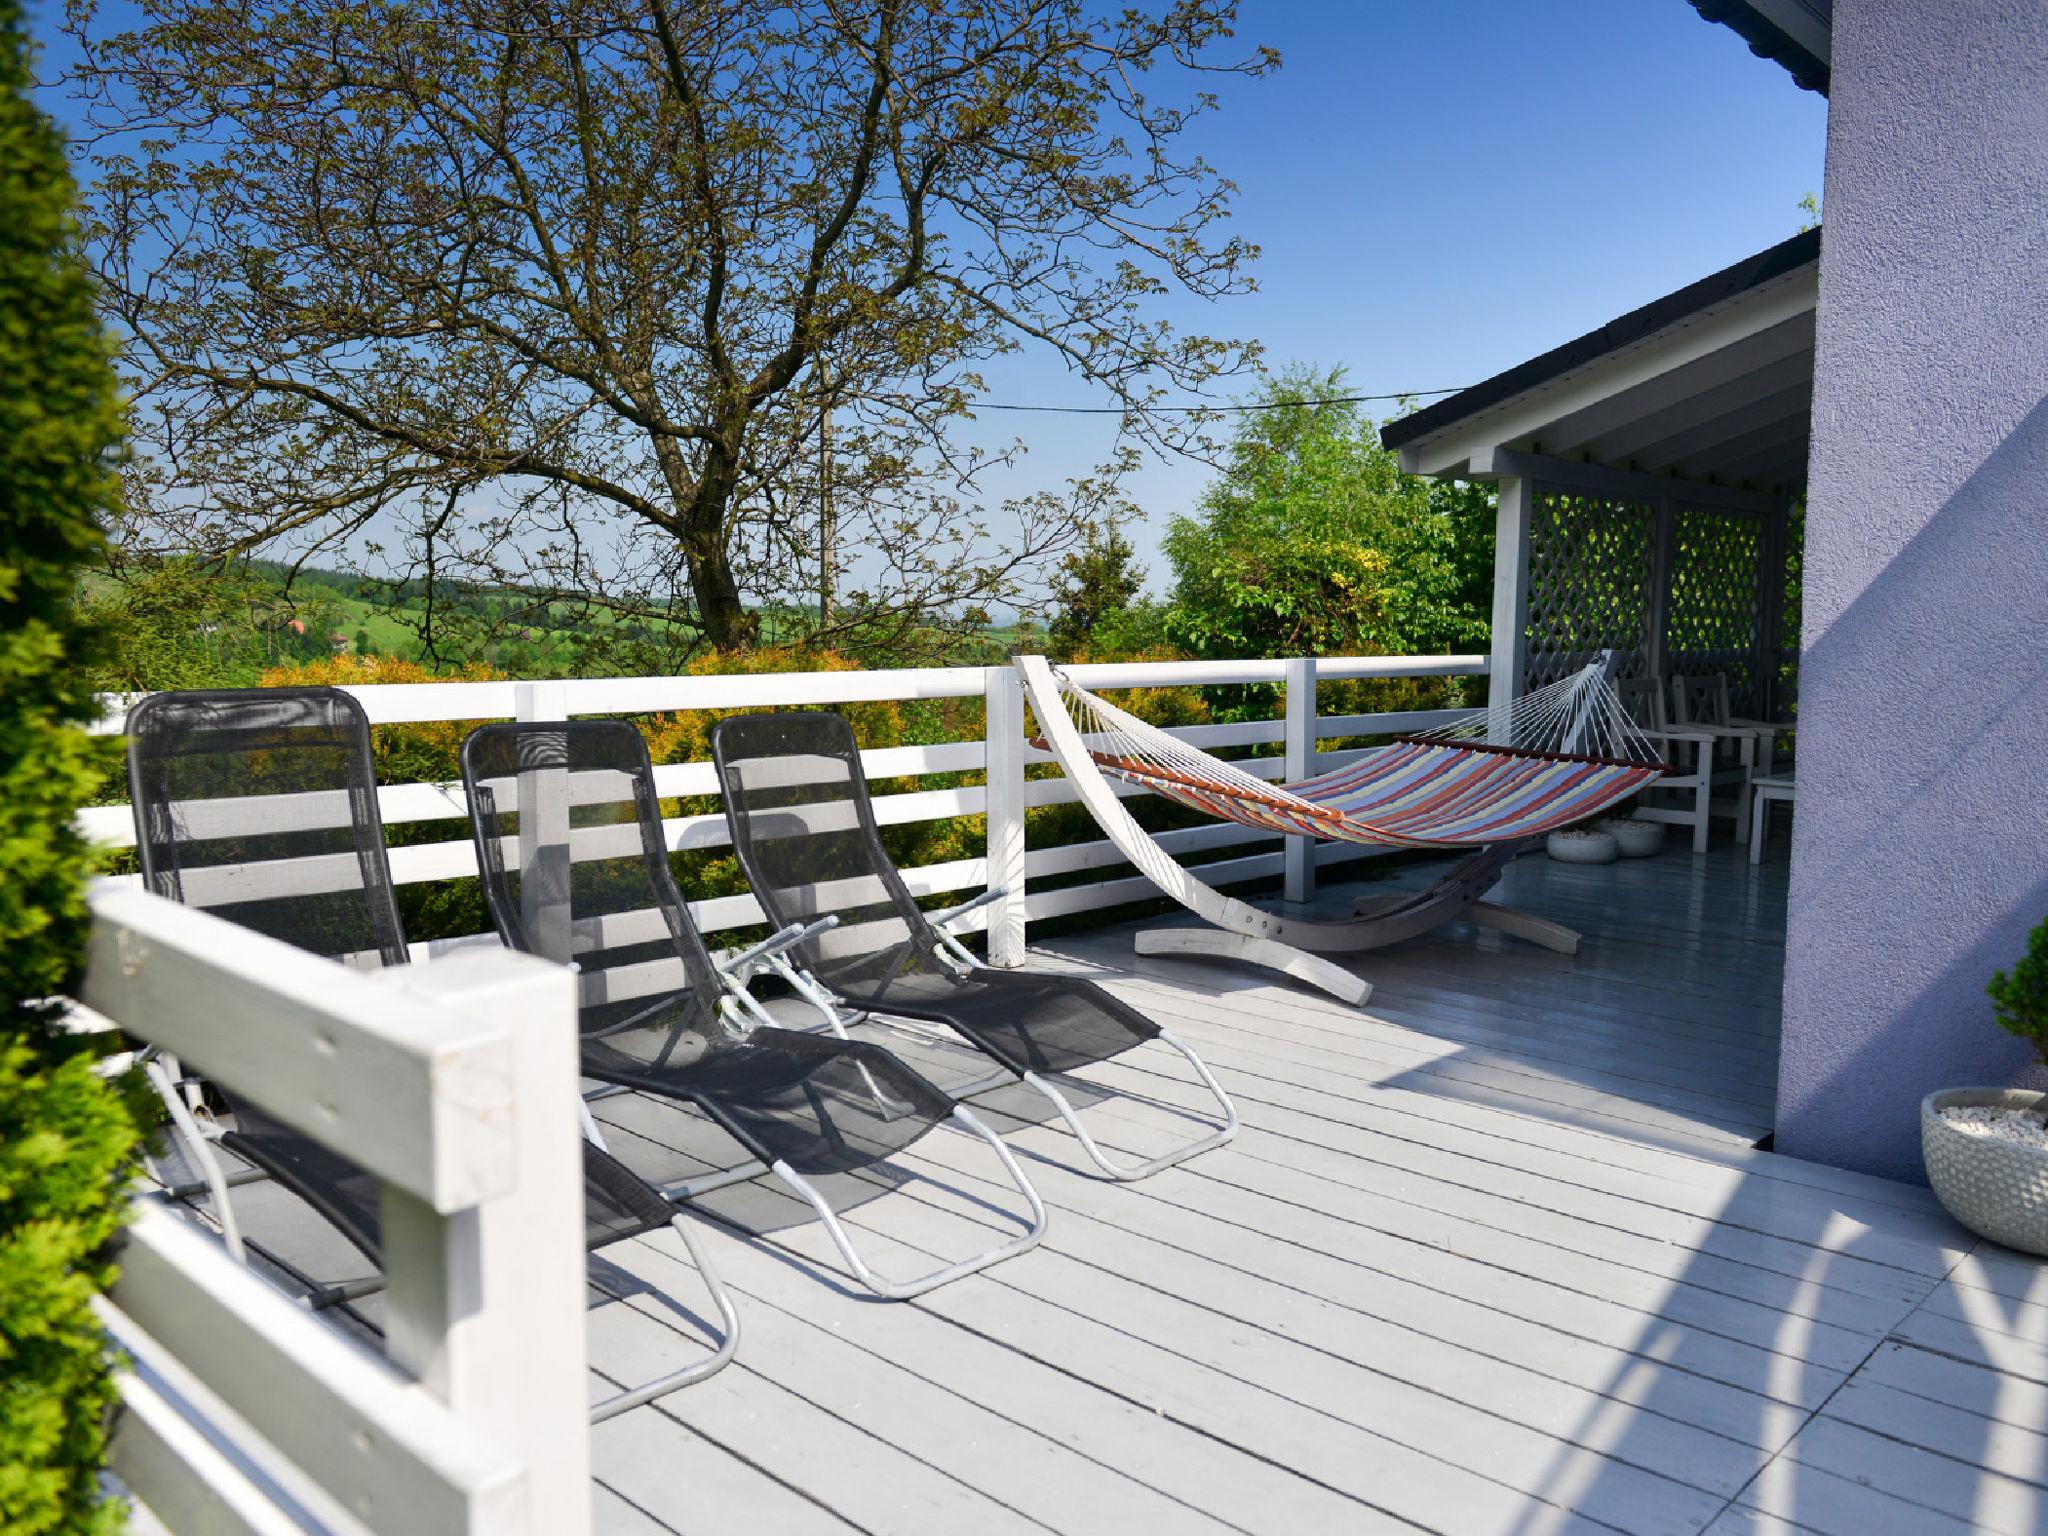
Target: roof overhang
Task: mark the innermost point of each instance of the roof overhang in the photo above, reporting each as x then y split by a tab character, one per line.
1798	34
1712	384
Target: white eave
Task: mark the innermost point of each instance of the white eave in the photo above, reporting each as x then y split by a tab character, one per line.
1720	395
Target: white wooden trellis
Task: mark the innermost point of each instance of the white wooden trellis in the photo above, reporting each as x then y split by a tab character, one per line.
1678	578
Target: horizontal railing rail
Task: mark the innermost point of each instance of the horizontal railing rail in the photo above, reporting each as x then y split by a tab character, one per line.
452	1084
1005	795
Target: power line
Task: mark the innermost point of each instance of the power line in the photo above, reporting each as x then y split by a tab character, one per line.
1256	405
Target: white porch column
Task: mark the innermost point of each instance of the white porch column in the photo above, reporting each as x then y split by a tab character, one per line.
1510	601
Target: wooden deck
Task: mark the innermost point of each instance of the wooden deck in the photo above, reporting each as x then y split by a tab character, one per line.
1493	1255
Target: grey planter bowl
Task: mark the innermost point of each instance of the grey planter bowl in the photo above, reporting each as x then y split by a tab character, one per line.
1598	848
1635	839
1998	1189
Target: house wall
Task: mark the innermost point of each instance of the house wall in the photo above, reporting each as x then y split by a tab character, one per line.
1920	855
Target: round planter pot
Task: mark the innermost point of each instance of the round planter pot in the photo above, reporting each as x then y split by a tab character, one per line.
1635	839
1998	1189
1582	847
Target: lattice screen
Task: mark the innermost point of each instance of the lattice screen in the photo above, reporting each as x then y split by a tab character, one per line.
1589	583
1714	622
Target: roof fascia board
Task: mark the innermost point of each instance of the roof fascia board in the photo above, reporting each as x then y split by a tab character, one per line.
1530	412
1799	23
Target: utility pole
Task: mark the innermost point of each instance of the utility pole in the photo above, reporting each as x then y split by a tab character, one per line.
828	530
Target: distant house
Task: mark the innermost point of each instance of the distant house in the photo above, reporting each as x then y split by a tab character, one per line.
1890	376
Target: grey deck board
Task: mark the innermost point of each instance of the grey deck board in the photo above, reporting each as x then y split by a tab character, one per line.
1493	1256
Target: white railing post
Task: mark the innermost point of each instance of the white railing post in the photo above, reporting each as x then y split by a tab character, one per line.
1510	603
544	832
453	1085
486	1306
1004	730
1299	882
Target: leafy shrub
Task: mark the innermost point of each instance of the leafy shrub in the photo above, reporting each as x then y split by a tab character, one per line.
65	1133
2019	998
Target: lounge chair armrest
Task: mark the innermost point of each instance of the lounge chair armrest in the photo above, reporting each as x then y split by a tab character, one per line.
776	943
951	915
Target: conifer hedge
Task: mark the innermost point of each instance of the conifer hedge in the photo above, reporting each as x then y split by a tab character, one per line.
65	1135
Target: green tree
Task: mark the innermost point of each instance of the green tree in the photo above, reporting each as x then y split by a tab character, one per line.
620	295
1096	582
65	1134
1313	542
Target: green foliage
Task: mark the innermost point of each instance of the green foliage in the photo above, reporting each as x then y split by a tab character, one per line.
1313	542
65	1135
1095	582
821	222
177	623
2019	998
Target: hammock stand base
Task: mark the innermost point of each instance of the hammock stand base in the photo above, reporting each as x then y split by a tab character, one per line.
1291	946
1285	944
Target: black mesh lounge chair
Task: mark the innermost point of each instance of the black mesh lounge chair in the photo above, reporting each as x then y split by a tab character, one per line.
804	828
260	805
569	836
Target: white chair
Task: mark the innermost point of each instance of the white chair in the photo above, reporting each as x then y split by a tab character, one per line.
1768	790
1685	796
1746	747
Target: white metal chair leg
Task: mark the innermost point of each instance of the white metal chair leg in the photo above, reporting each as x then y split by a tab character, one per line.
200	1150
901	1290
1129	1171
710	1365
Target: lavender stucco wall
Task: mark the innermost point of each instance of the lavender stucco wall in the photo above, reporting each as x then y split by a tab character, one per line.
1921	841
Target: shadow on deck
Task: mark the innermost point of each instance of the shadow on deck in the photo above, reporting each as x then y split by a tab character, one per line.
1663	1027
1493	1254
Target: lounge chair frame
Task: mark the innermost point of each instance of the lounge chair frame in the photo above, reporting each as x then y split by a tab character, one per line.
195	1130
736	1004
826	1002
840	1012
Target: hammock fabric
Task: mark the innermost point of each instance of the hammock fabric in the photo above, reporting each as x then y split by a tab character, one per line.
1448	790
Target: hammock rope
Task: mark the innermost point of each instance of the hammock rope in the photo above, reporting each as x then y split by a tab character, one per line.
1553	757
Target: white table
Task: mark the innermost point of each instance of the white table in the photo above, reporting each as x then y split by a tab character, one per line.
1763	791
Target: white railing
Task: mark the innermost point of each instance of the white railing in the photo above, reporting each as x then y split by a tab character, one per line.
452	1083
1002	756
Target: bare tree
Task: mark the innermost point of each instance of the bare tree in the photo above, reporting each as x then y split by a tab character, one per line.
561	294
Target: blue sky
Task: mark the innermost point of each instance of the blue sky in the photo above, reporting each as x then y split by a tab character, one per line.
1442	188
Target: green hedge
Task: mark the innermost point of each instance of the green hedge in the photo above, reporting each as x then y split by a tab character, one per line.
65	1135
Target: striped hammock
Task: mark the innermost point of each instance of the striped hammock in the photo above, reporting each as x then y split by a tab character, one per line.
1556	756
